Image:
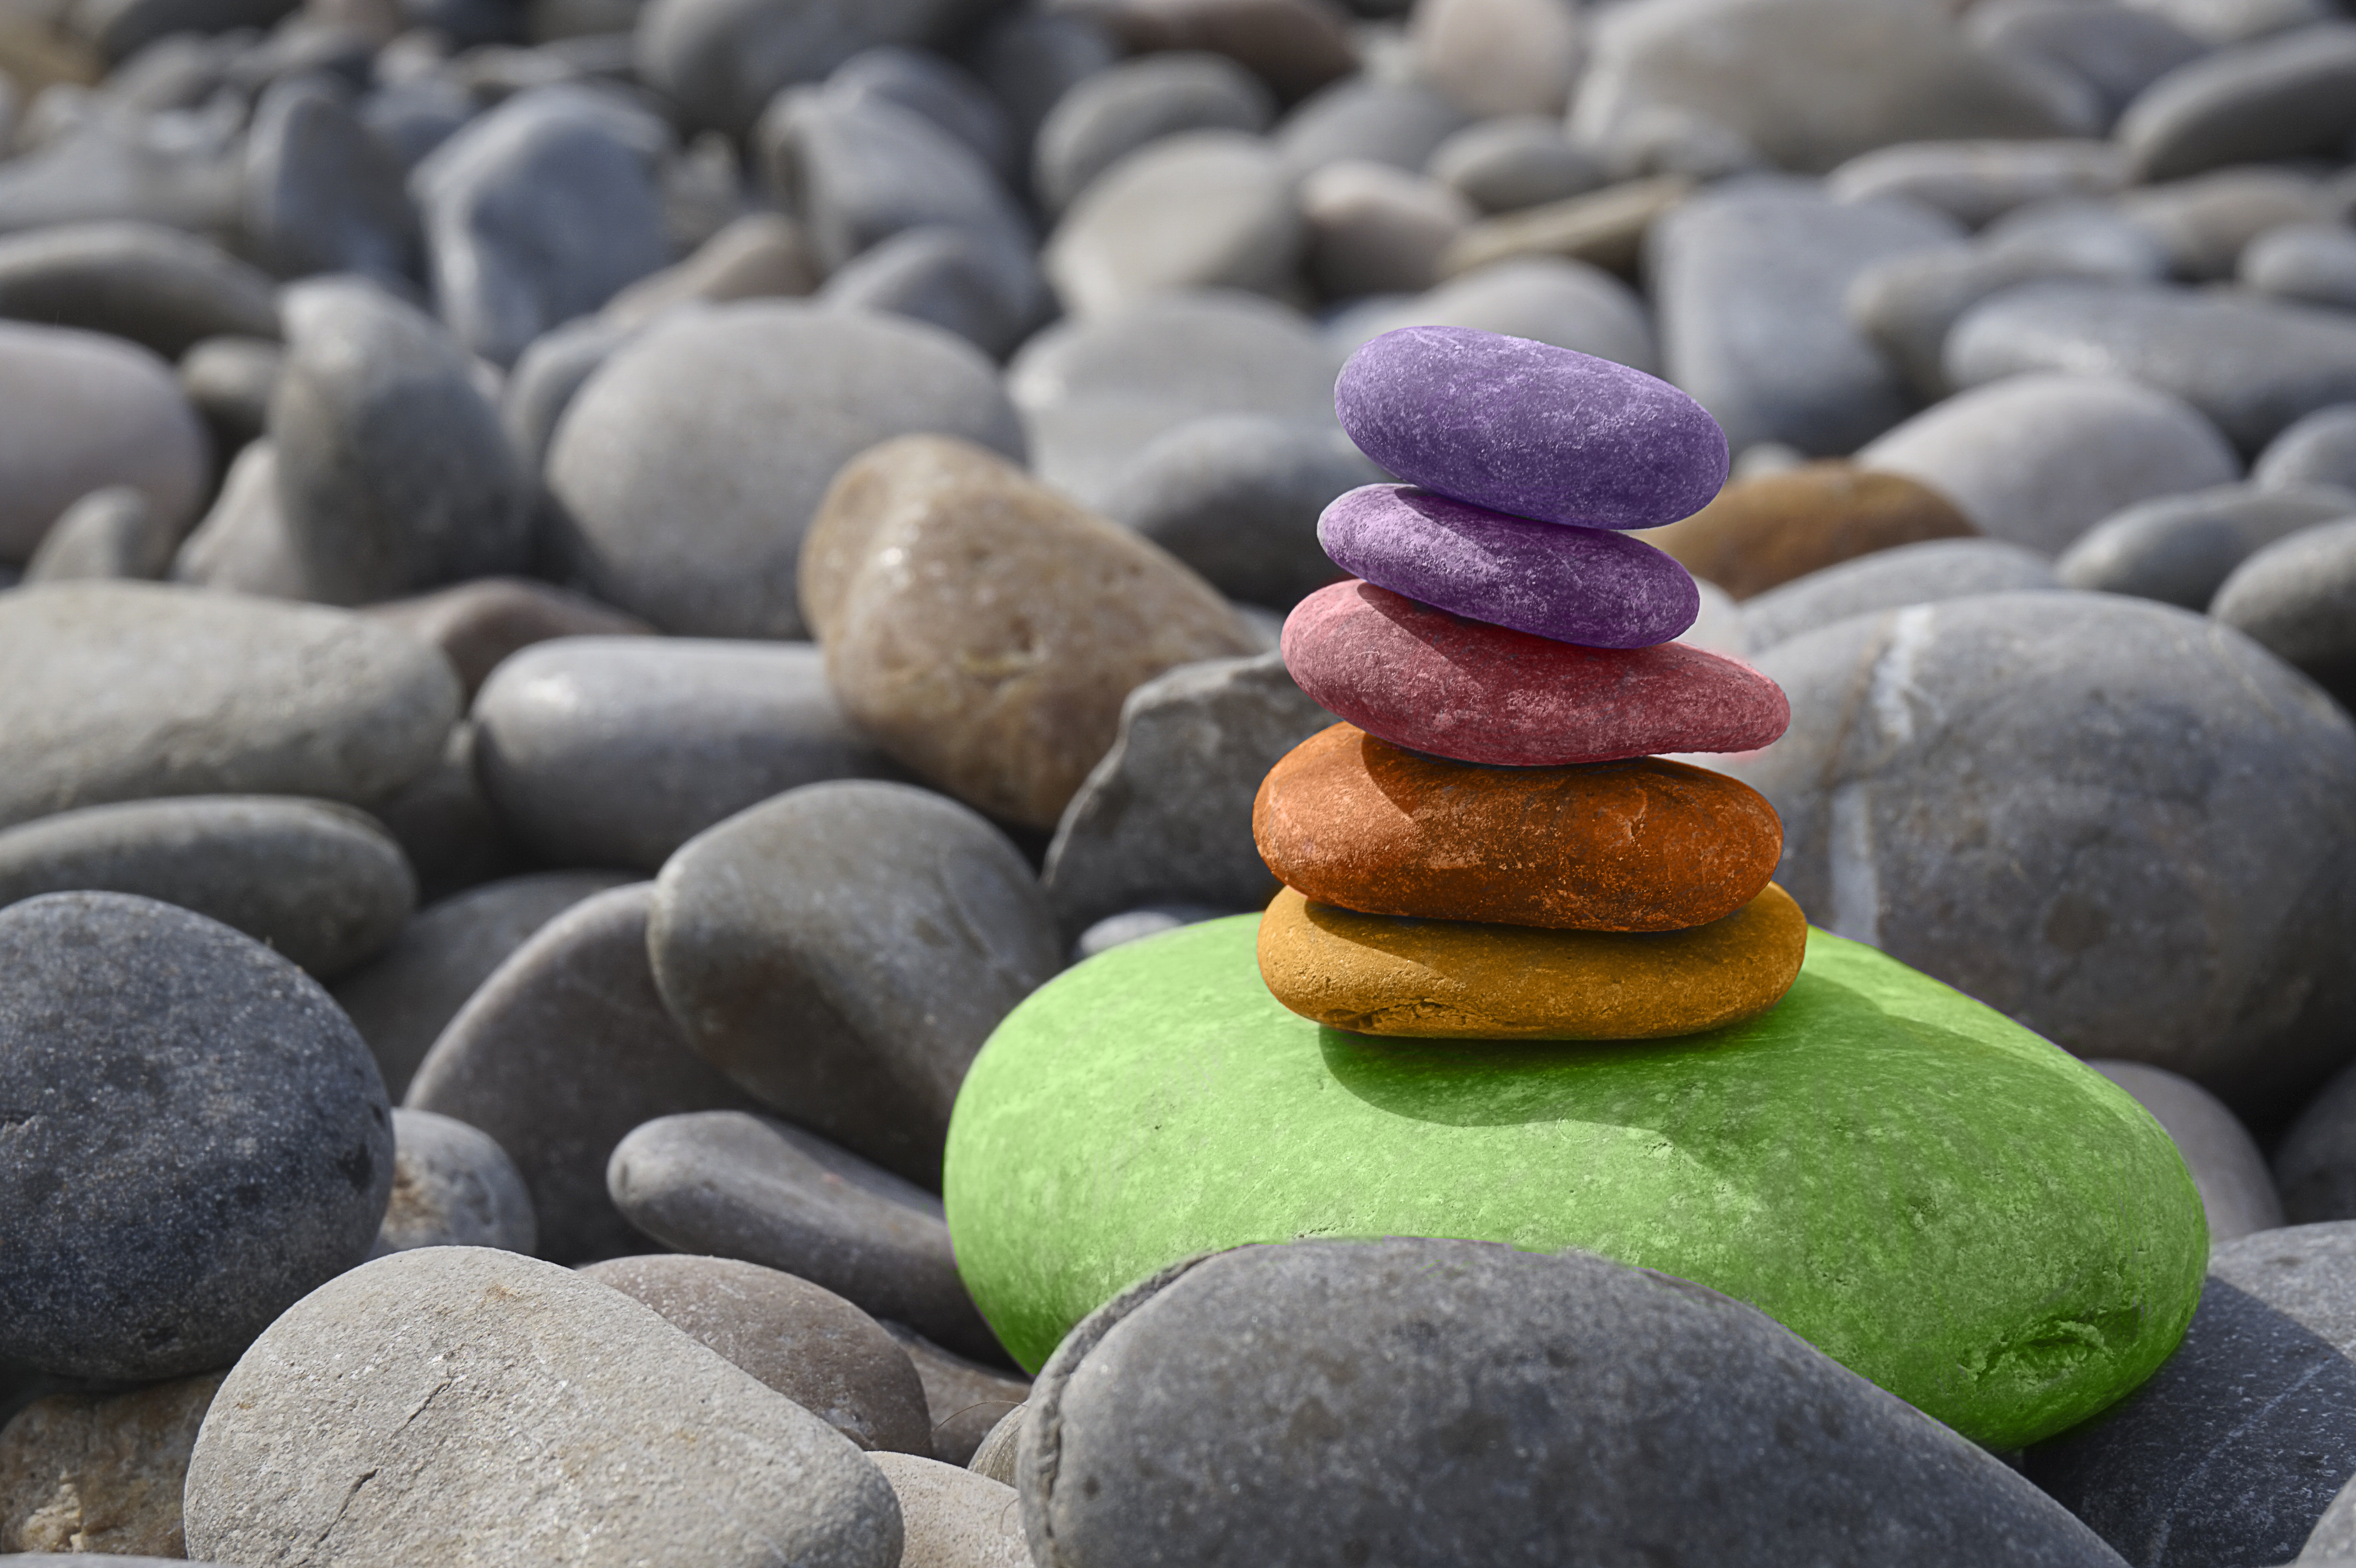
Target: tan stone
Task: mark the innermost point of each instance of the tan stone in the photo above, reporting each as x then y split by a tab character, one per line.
985	630
1762	532
1604	228
102	1472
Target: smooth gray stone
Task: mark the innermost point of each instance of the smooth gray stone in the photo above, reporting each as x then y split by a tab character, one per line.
2040	459
2250	364
966	1398
2206	222
157	286
322	193
1201	210
2278	97
943	277
1891	579
229	381
939	89
453	1185
723	59
410	119
242	545
617	750
2099	235
540	211
1237	497
196	1139
562	1051
403	1000
2313	262
1550	299
1749	279
127	691
1321	1400
109	533
801	1339
647	1446
954	1518
177	169
319	883
1002	1448
2232	1453
691	463
1113	113
1094	393
2296	599
452	837
755	255
120	28
2118	51
2315	1165
2332	1542
2318	449
848	982
1136	925
739	1186
1166	815
1396	122
1030	59
2237	1192
87	411
2179	549
549	375
2125	826
1975	183
1514	161
393	473
478	624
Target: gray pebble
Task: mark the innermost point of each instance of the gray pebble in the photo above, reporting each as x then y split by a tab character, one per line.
536	1414
2117	50
725	59
120	28
1887	579
412	117
197	1138
2237	1192
936	88
453	1185
87	411
1975	183
109	533
1113	112
153	285
955	1519
1002	1448
549	374
849	981
1202	209
944	276
1550	299
2297	598
2318	449
452	837
2315	262
229	381
2204	222
322	193
967	1399
1136	925
1377	229
478	624
2179	549
760	255
2315	1165
2275	98
747	1186
1397	123
806	1342
558	1054
242	545
1512	162
1032	59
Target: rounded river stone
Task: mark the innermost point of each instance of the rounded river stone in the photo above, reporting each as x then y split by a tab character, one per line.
1641	845
1447	979
1575	586
191	1136
1530	428
1421	677
1922	1189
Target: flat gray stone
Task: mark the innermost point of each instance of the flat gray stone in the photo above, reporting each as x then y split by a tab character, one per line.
358	1429
196	1139
849	980
88	411
2179	549
2237	1191
966	1398
453	1185
562	1051
1975	183
1890	579
1166	817
2296	599
2275	98
130	692
321	883
159	287
2206	222
1113	113
2115	821
1317	1399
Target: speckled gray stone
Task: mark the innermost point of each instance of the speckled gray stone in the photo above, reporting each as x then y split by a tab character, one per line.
320	883
1888	578
966	1398
747	1186
458	1393
196	1136
562	1051
2179	549
1443	1402
453	1185
2237	1192
844	949
806	1342
127	691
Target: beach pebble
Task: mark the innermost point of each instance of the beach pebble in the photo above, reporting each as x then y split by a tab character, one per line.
1498	57
227	1138
1512	160
1366	118
967	1400
453	1185
1374	228
2273	98
2179	549
1294	46
229	380
2318	449
2116	50
1606	228
937	87
1197	211
101	1472
2314	263
90	411
1548	299
727	58
947	277
322	194
955	1519
760	255
477	623
1762	532
1890	579
1002	1448
2296	599
1111	114
1975	183
2205	222
2237	1192
2315	1163
114	532
157	286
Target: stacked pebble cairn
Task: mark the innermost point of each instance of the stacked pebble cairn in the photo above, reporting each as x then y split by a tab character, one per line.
1490	845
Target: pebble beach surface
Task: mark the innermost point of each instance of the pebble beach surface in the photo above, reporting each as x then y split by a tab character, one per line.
1078	783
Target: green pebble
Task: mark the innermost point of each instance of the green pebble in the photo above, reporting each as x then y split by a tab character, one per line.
1930	1194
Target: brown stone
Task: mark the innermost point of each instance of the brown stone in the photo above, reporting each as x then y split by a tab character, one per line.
83	1472
476	624
966	1398
1605	228
985	630
1641	845
1446	979
1762	533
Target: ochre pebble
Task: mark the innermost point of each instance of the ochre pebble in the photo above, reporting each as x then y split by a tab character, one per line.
1765	531
1376	974
1640	845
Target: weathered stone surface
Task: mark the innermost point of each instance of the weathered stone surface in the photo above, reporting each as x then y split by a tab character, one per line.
320	883
842	950
614	752
985	630
90	411
127	691
477	623
101	1472
1762	532
157	286
2119	823
747	1186
2179	549
1204	210
2297	598
561	1052
197	1136
347	1433
1001	1449
2237	1194
955	1519
966	1398
1890	579
453	1185
1721	1438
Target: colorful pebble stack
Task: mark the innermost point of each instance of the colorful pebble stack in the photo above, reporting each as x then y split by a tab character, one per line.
1489	846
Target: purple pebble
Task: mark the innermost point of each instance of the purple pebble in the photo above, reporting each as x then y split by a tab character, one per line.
1530	428
1574	585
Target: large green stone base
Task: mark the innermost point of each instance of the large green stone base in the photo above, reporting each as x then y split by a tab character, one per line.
1926	1191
